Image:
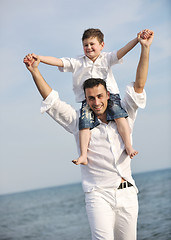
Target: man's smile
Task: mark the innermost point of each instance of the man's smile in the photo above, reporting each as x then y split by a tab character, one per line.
98	109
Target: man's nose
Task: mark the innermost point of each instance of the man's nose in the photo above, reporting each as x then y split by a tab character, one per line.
96	101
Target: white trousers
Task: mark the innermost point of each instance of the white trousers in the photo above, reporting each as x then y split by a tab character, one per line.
112	213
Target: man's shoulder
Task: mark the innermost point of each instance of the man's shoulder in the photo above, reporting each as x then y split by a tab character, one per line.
133	100
61	112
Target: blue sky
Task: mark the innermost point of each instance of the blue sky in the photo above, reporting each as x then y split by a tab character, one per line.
35	151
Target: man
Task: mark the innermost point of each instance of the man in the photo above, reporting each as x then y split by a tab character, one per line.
110	191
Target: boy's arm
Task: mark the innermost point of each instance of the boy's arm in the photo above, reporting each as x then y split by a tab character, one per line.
50	60
145	34
123	51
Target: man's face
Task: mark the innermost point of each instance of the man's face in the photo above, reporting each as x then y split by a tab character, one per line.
92	48
97	98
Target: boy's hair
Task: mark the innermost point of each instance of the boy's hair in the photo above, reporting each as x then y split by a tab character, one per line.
92	32
92	82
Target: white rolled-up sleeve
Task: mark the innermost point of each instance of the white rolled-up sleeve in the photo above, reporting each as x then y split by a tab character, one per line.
132	101
113	59
68	65
61	112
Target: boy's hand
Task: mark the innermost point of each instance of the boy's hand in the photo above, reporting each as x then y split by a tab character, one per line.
145	37
145	34
31	61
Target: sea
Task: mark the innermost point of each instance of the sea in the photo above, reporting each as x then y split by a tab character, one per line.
58	213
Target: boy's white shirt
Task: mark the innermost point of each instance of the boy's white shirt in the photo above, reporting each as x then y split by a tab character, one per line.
83	68
104	169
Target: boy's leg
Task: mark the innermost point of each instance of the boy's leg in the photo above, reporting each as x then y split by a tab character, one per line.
124	131
87	121
84	137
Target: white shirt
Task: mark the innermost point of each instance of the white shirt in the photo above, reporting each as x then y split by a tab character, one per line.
83	68
107	159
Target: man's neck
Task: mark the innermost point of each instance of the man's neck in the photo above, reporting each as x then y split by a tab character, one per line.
103	118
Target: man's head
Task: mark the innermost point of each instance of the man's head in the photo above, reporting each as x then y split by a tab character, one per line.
93	43
97	96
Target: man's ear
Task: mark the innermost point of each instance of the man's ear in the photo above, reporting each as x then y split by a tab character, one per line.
108	95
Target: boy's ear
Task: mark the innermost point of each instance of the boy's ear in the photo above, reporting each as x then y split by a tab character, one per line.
102	44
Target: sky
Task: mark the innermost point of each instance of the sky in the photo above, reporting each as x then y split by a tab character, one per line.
35	152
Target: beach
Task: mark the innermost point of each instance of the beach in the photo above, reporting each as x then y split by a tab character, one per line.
58	213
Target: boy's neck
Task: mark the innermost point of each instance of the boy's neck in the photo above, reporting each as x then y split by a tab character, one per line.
94	59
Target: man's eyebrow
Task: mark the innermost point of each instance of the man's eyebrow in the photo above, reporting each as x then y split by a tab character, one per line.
99	95
90	97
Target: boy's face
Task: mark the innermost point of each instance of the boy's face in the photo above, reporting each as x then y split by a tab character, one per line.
92	47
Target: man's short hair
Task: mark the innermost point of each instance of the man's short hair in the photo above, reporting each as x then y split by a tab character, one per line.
93	32
92	82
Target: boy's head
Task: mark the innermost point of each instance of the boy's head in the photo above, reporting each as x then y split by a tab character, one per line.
93	43
93	33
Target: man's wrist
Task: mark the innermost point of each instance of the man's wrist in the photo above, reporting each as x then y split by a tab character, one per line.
145	46
34	71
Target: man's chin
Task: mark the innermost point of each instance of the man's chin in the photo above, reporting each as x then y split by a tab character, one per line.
98	113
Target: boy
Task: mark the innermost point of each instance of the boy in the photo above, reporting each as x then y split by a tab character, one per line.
96	64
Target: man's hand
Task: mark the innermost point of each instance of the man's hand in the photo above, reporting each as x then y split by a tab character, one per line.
145	37
31	61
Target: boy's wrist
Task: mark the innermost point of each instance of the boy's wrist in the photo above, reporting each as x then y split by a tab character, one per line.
40	57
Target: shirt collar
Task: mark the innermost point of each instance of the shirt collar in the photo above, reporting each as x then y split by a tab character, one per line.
87	59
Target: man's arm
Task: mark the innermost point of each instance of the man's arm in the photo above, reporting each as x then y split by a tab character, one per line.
132	101
60	111
32	63
142	69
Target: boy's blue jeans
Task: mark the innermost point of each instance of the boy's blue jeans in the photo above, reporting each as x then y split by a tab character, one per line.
114	110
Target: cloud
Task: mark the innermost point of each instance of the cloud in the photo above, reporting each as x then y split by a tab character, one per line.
11	68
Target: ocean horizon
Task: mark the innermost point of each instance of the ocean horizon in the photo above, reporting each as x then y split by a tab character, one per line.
58	213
